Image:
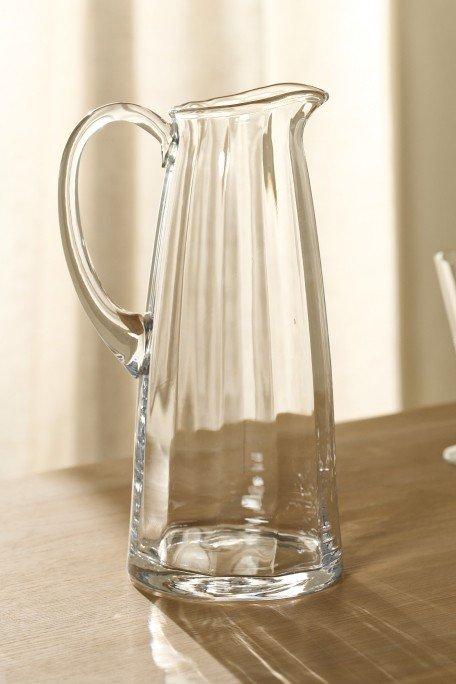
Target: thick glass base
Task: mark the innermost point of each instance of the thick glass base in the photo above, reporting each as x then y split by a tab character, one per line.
233	564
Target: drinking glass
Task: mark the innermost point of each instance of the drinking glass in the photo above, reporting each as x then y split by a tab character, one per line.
445	263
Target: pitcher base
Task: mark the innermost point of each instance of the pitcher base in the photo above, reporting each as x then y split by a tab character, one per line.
164	581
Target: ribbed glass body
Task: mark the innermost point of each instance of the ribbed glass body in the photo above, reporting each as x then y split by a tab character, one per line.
234	491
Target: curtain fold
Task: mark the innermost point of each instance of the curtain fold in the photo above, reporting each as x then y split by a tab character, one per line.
65	398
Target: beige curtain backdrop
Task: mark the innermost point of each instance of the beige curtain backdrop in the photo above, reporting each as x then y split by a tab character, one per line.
382	160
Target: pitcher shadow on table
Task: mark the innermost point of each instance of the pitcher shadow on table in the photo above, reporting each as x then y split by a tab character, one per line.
353	631
347	632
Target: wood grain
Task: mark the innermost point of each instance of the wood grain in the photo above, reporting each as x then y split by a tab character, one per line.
69	613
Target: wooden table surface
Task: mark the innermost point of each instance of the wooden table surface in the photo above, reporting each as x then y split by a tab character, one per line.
69	613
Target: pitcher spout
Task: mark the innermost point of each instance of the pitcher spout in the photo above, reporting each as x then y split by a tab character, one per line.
308	98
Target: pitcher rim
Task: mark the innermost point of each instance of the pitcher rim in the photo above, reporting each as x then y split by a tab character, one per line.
276	93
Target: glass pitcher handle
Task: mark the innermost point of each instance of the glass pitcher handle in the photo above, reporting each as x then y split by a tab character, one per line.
122	331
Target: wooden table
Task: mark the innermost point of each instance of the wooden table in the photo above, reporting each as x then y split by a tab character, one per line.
70	615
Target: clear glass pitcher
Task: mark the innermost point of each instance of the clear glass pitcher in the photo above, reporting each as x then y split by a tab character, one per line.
234	493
